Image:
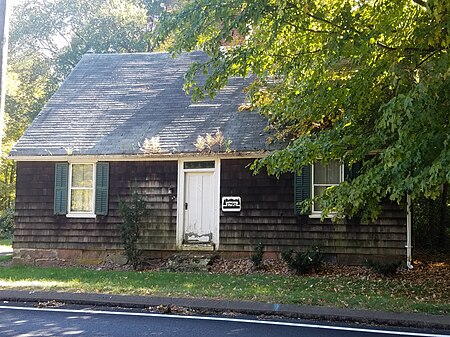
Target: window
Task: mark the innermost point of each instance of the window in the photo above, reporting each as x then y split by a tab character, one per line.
313	180
81	194
81	189
323	177
190	165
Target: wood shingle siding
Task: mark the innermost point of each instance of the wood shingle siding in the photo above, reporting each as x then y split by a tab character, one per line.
268	216
38	228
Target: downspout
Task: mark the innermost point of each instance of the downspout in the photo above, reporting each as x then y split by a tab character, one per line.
408	233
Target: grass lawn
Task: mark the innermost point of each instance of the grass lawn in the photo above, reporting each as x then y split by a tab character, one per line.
377	294
5	247
5	258
6	242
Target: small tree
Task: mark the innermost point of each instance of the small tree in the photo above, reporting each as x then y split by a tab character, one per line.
132	213
257	256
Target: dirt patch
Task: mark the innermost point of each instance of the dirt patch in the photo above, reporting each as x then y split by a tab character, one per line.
428	267
245	266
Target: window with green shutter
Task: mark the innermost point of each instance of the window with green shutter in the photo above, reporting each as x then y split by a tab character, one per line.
313	180
81	189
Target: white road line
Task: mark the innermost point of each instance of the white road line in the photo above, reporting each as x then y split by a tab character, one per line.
238	320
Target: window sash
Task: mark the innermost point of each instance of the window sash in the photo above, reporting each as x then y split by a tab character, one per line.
80	201
323	185
82	176
198	165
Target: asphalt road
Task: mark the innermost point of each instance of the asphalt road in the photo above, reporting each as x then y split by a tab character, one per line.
30	321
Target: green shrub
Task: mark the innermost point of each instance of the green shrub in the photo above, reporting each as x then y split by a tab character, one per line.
257	256
385	269
132	214
6	223
303	262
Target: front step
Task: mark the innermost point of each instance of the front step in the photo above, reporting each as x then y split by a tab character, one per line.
207	247
189	262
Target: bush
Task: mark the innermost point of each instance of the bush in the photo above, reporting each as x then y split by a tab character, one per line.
385	269
6	223
303	262
132	213
257	257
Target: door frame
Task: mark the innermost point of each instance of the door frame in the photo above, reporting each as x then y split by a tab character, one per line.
181	200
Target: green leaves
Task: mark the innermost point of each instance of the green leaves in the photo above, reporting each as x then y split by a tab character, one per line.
336	79
132	213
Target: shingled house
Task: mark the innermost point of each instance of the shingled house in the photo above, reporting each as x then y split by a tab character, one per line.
122	123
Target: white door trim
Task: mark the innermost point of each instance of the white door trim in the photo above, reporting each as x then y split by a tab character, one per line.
181	198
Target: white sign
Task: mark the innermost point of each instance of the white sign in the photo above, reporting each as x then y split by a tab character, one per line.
231	204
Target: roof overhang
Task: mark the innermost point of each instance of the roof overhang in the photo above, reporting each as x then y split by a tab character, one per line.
141	157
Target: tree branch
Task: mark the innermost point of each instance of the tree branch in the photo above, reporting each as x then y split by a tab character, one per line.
318	18
420	3
309	29
297	54
48	48
382	45
427	57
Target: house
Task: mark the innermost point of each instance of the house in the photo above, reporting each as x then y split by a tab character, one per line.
122	123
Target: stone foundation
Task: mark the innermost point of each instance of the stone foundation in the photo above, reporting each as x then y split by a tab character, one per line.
55	257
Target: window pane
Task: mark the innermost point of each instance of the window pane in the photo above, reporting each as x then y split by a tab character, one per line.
81	201
327	174
198	164
318	190
82	175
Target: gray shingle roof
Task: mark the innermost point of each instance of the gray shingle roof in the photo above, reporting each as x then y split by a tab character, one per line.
111	103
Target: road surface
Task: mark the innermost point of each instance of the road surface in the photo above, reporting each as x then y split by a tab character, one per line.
28	321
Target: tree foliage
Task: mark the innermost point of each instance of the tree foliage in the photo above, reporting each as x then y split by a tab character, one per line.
47	39
6	223
360	81
59	32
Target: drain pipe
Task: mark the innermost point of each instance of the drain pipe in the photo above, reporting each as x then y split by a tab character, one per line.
408	233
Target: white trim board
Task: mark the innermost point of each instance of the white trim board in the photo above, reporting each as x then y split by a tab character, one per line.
168	157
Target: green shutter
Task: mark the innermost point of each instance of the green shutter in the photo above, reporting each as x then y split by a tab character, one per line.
352	171
61	188
302	187
101	188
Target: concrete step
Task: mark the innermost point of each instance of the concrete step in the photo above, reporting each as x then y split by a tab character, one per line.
189	262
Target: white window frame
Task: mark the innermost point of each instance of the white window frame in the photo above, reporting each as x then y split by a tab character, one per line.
78	214
318	213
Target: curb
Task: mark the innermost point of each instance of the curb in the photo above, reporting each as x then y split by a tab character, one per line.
414	320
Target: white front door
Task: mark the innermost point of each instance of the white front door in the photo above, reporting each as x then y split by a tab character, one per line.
198	204
199	207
